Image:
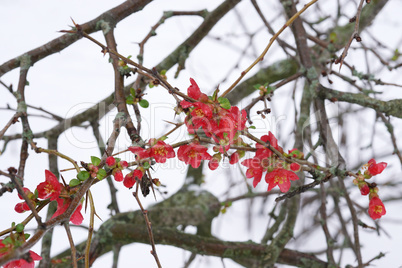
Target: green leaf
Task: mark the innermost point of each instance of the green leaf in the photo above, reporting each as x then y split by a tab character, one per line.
132	92
144	103
27	236
396	55
252	127
82	175
163	138
333	37
7	240
257	86
224	102
129	56
95	160
215	94
146	165
130	99
74	182
163	72
101	174
19	228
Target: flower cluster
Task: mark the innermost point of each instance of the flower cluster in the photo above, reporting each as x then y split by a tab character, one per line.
376	207
52	189
14	240
117	166
7	245
214	116
279	173
157	150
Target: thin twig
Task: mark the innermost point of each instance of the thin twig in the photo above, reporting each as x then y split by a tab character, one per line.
271	41
12	121
149	227
324	224
42	150
355	35
354	222
72	246
90	229
390	129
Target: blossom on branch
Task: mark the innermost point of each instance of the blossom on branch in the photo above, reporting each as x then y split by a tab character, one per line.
132	177
50	188
254	170
376	208
160	151
110	161
269	139
20	263
214	116
374	168
193	153
23	206
280	177
63	204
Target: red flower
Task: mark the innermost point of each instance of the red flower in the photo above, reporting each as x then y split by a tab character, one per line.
213	164
280	177
62	205
139	152
27	192
201	117
270	138
110	161
21	207
123	164
254	169
129	180
374	168
118	175
239	117
295	167
21	263
132	177
50	188
376	208
193	153
193	91
364	189
161	151
234	158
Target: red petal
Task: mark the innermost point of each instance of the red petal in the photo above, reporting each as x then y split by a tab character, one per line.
77	217
185	104
193	91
